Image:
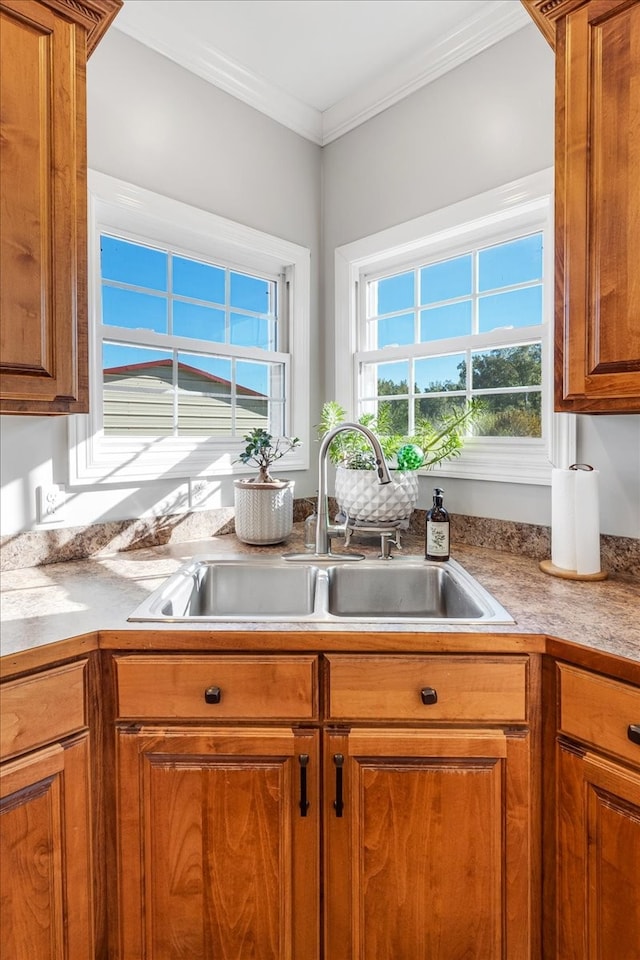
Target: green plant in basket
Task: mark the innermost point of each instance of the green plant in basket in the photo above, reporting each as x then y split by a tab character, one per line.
429	445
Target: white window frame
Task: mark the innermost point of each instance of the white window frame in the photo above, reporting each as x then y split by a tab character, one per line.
522	206
123	209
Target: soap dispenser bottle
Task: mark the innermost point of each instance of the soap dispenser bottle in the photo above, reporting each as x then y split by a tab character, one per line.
437	532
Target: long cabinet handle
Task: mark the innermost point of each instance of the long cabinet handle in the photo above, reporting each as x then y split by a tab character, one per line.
338	803
303	760
634	733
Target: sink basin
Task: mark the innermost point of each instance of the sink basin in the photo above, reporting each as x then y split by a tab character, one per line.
207	589
407	590
398	592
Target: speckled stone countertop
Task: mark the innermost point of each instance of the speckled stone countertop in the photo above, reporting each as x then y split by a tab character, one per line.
46	604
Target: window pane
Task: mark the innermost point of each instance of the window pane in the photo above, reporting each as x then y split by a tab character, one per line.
437	374
446	280
451	320
201	323
136	311
138	391
200	281
437	409
510	415
254	378
387	378
395	293
204	396
198	374
518	261
517	308
395	330
132	263
250	331
395	415
507	367
251	293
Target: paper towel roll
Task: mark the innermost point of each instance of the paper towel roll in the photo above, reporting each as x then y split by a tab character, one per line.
587	519
575	520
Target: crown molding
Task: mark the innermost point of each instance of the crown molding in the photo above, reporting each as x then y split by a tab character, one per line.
476	34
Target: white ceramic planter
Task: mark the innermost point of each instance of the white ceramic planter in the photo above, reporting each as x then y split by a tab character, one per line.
361	497
264	511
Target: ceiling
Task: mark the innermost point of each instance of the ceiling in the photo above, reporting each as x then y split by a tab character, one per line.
320	67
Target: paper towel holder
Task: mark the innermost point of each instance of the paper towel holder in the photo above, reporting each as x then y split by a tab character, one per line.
548	567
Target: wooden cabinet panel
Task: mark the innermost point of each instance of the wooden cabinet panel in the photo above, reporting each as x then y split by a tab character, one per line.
390	687
598	862
250	687
45	862
433	852
599	711
43	295
42	708
44	311
216	855
598	208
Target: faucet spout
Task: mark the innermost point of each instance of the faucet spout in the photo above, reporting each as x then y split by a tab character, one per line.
322	525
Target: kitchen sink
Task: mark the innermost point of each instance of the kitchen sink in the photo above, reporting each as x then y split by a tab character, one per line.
208	589
407	590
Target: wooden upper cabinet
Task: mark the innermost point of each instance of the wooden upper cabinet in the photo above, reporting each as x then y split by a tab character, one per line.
597	160
43	259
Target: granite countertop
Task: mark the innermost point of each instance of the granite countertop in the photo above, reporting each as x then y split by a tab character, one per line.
45	604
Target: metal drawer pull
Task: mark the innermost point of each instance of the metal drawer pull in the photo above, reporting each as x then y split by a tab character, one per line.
303	760
634	733
338	803
213	695
429	695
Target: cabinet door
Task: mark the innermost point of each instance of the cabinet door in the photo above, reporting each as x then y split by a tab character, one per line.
429	847
598	208
43	249
218	847
598	860
45	863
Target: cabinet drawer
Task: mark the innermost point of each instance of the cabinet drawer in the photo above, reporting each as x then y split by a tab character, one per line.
599	711
455	688
216	687
41	708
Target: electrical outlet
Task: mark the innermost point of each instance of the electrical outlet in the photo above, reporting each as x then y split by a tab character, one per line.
50	502
202	492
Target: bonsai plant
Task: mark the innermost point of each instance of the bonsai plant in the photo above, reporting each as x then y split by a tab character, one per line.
359	495
263	504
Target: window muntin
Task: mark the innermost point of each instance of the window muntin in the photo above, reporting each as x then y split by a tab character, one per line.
467	299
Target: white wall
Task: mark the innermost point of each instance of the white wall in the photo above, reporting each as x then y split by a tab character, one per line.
486	123
154	124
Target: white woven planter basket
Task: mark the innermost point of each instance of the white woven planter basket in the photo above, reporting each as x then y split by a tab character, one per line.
264	511
361	497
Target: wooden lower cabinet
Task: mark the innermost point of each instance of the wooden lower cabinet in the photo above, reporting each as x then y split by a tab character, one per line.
218	843
597	826
45	856
314	829
429	848
598	858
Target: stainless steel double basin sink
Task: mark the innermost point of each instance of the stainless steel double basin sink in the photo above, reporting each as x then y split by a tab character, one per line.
208	589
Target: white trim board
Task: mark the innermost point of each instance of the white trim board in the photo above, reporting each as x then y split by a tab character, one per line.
478	33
